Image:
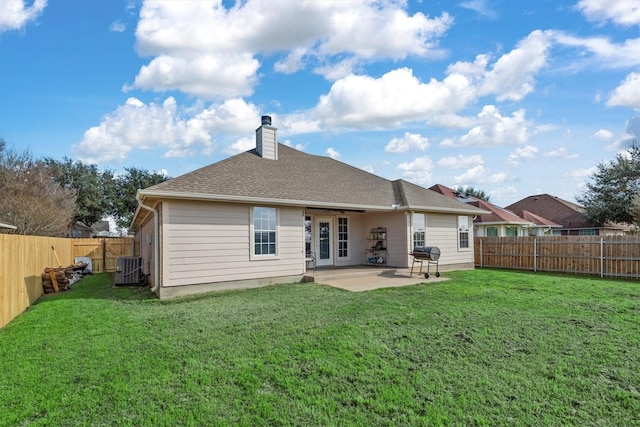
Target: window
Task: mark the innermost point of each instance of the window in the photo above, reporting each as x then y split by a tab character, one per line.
492	231
343	237
264	231
463	232
587	232
511	231
419	226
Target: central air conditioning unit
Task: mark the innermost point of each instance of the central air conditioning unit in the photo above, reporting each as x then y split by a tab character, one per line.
128	270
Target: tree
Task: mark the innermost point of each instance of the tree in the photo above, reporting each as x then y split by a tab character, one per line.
31	200
614	185
126	186
95	189
475	192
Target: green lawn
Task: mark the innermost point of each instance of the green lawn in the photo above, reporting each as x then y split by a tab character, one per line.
487	347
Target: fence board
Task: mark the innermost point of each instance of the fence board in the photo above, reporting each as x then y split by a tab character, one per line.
607	256
23	258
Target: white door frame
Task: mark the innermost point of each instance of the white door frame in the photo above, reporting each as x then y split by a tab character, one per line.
325	257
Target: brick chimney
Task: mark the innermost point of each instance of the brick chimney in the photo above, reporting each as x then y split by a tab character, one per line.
266	143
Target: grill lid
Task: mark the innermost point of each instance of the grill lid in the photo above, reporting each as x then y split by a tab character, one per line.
431	253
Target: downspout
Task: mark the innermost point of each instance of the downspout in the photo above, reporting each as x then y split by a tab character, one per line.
156	245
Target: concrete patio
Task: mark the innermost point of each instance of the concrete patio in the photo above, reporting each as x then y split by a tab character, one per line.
358	279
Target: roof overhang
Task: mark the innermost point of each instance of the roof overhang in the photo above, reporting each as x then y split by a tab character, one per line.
507	223
144	195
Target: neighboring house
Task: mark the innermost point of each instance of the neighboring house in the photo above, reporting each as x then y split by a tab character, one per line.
499	222
98	229
255	218
570	216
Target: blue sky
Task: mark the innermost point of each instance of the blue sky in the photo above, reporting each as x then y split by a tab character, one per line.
512	97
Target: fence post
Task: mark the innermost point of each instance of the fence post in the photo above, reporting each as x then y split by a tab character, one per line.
535	254
601	257
481	252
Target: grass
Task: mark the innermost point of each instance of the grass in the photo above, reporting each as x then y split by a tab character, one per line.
487	347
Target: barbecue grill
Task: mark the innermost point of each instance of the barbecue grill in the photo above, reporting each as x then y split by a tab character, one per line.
431	254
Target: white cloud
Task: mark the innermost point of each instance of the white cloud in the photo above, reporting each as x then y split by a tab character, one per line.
460	162
560	153
395	98
481	7
368	168
299	147
418	171
512	76
521	154
581	174
605	53
334	154
179	131
117	27
205	49
504	192
627	94
493	128
15	14
479	175
603	134
621	12
208	76
292	63
410	141
240	146
383	32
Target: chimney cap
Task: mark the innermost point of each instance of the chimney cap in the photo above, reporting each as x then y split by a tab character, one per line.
266	120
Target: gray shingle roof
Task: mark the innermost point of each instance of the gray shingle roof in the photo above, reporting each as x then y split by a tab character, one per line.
302	179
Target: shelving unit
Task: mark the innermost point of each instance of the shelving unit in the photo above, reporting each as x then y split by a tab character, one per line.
376	247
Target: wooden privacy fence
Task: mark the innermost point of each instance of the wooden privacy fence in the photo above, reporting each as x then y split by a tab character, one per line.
23	258
606	256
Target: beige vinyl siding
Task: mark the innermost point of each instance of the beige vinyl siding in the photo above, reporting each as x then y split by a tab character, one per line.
211	242
442	231
396	225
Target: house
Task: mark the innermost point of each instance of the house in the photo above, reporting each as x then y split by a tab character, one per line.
500	222
81	230
570	216
255	218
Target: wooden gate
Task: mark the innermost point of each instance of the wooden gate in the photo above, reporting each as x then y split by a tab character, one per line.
103	251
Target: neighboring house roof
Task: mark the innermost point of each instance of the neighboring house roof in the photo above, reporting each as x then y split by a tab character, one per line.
562	212
300	179
454	194
497	215
538	220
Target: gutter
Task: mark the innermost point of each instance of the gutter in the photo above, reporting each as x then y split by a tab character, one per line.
156	244
305	203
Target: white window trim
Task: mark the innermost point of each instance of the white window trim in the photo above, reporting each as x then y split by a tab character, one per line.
413	229
469	234
252	240
349	248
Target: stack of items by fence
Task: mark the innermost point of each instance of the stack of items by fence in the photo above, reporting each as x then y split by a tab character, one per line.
60	279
